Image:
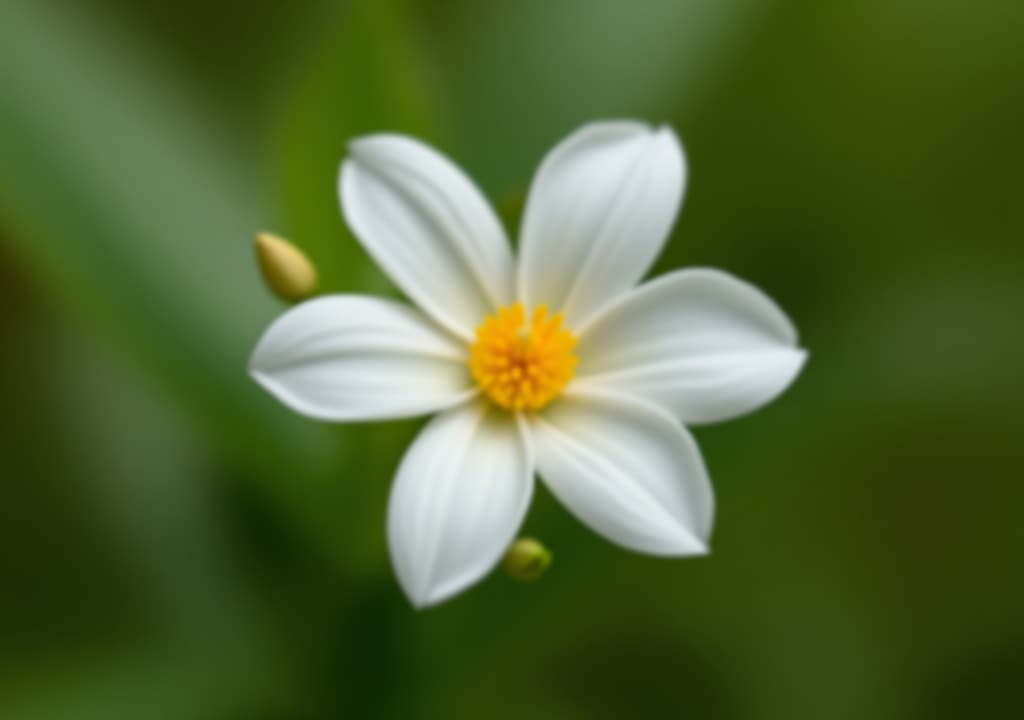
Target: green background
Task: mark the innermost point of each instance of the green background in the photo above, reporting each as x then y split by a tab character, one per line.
175	544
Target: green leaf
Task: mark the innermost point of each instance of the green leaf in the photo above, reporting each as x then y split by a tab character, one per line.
365	76
520	76
120	197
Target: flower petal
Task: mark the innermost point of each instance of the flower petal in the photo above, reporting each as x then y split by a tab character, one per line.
459	497
351	357
627	470
705	345
429	228
599	210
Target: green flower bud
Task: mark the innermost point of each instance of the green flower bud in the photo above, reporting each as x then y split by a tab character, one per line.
527	559
287	271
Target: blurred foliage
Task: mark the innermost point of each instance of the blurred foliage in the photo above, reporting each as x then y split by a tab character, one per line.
178	545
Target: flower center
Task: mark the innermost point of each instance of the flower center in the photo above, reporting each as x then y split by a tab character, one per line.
520	364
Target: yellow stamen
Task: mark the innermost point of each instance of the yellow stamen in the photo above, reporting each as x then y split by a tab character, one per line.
522	365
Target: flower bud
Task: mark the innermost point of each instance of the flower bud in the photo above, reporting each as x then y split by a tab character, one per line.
527	559
287	271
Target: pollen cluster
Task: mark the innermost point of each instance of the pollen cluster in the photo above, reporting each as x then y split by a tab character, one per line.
522	364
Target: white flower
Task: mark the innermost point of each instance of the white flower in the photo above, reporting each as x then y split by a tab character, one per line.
593	398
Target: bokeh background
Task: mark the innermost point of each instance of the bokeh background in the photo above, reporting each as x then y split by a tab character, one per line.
174	544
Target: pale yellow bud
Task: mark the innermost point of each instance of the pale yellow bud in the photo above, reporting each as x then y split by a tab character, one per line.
527	559
286	269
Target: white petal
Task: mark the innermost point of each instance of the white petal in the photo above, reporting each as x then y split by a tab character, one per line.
627	470
599	211
701	343
459	497
429	228
350	357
